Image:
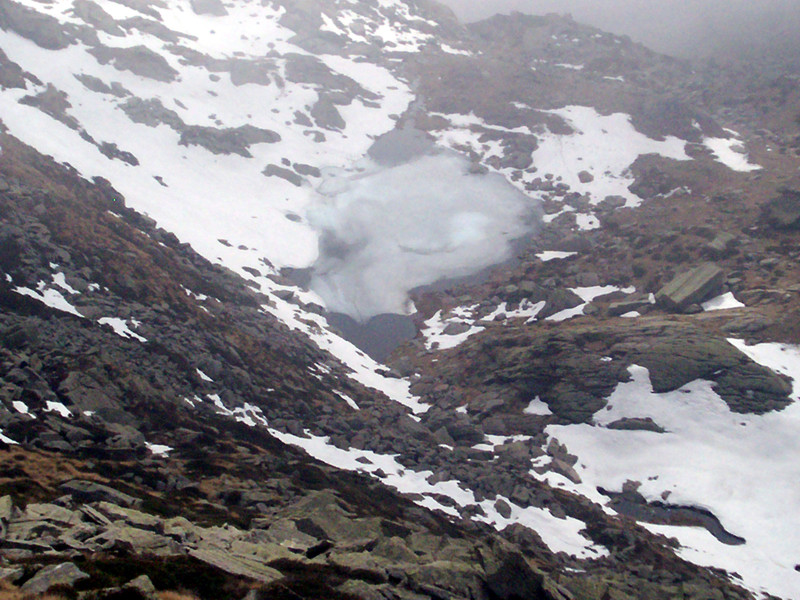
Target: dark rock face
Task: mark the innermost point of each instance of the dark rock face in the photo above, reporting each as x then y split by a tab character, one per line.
43	30
98	85
94	15
565	368
747	387
151	112
249	71
235	140
283	173
692	287
209	7
326	115
139	60
11	74
53	102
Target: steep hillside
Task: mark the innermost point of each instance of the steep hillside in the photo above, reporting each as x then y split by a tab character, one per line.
569	263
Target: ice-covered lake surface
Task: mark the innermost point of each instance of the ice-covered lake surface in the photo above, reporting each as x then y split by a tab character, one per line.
407	216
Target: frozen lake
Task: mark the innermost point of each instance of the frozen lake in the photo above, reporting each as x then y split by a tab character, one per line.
407	216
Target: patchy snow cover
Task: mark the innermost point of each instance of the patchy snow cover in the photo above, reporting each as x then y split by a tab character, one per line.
436	336
731	153
537	407
587	294
604	146
350	402
21	407
365	370
739	467
121	328
60	280
561	535
203	376
549	255
586	222
59	408
7	440
158	449
722	302
50	297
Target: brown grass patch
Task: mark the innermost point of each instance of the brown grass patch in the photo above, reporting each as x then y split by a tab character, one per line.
173	595
9	591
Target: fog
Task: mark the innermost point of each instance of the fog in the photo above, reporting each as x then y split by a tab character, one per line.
684	28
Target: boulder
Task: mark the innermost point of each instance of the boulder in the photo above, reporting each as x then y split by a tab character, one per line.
616	309
691	287
11	574
563	468
559	300
143	585
236	565
91	491
636	424
63	574
721	244
132	517
52	513
285	533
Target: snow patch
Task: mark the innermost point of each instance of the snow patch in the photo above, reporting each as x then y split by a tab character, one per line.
741	467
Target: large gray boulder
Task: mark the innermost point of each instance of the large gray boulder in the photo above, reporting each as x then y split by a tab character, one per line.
91	491
691	287
63	574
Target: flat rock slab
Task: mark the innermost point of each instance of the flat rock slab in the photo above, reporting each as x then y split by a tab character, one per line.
237	565
691	287
91	491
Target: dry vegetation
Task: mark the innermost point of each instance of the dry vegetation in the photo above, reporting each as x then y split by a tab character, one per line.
9	591
172	595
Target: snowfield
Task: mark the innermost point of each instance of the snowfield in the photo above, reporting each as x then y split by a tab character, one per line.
741	468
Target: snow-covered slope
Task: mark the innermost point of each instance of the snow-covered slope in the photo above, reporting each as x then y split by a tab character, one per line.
221	120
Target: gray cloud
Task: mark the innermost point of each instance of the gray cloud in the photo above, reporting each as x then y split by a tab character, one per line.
680	27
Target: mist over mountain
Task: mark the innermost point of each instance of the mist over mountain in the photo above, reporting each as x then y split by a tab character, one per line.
684	28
